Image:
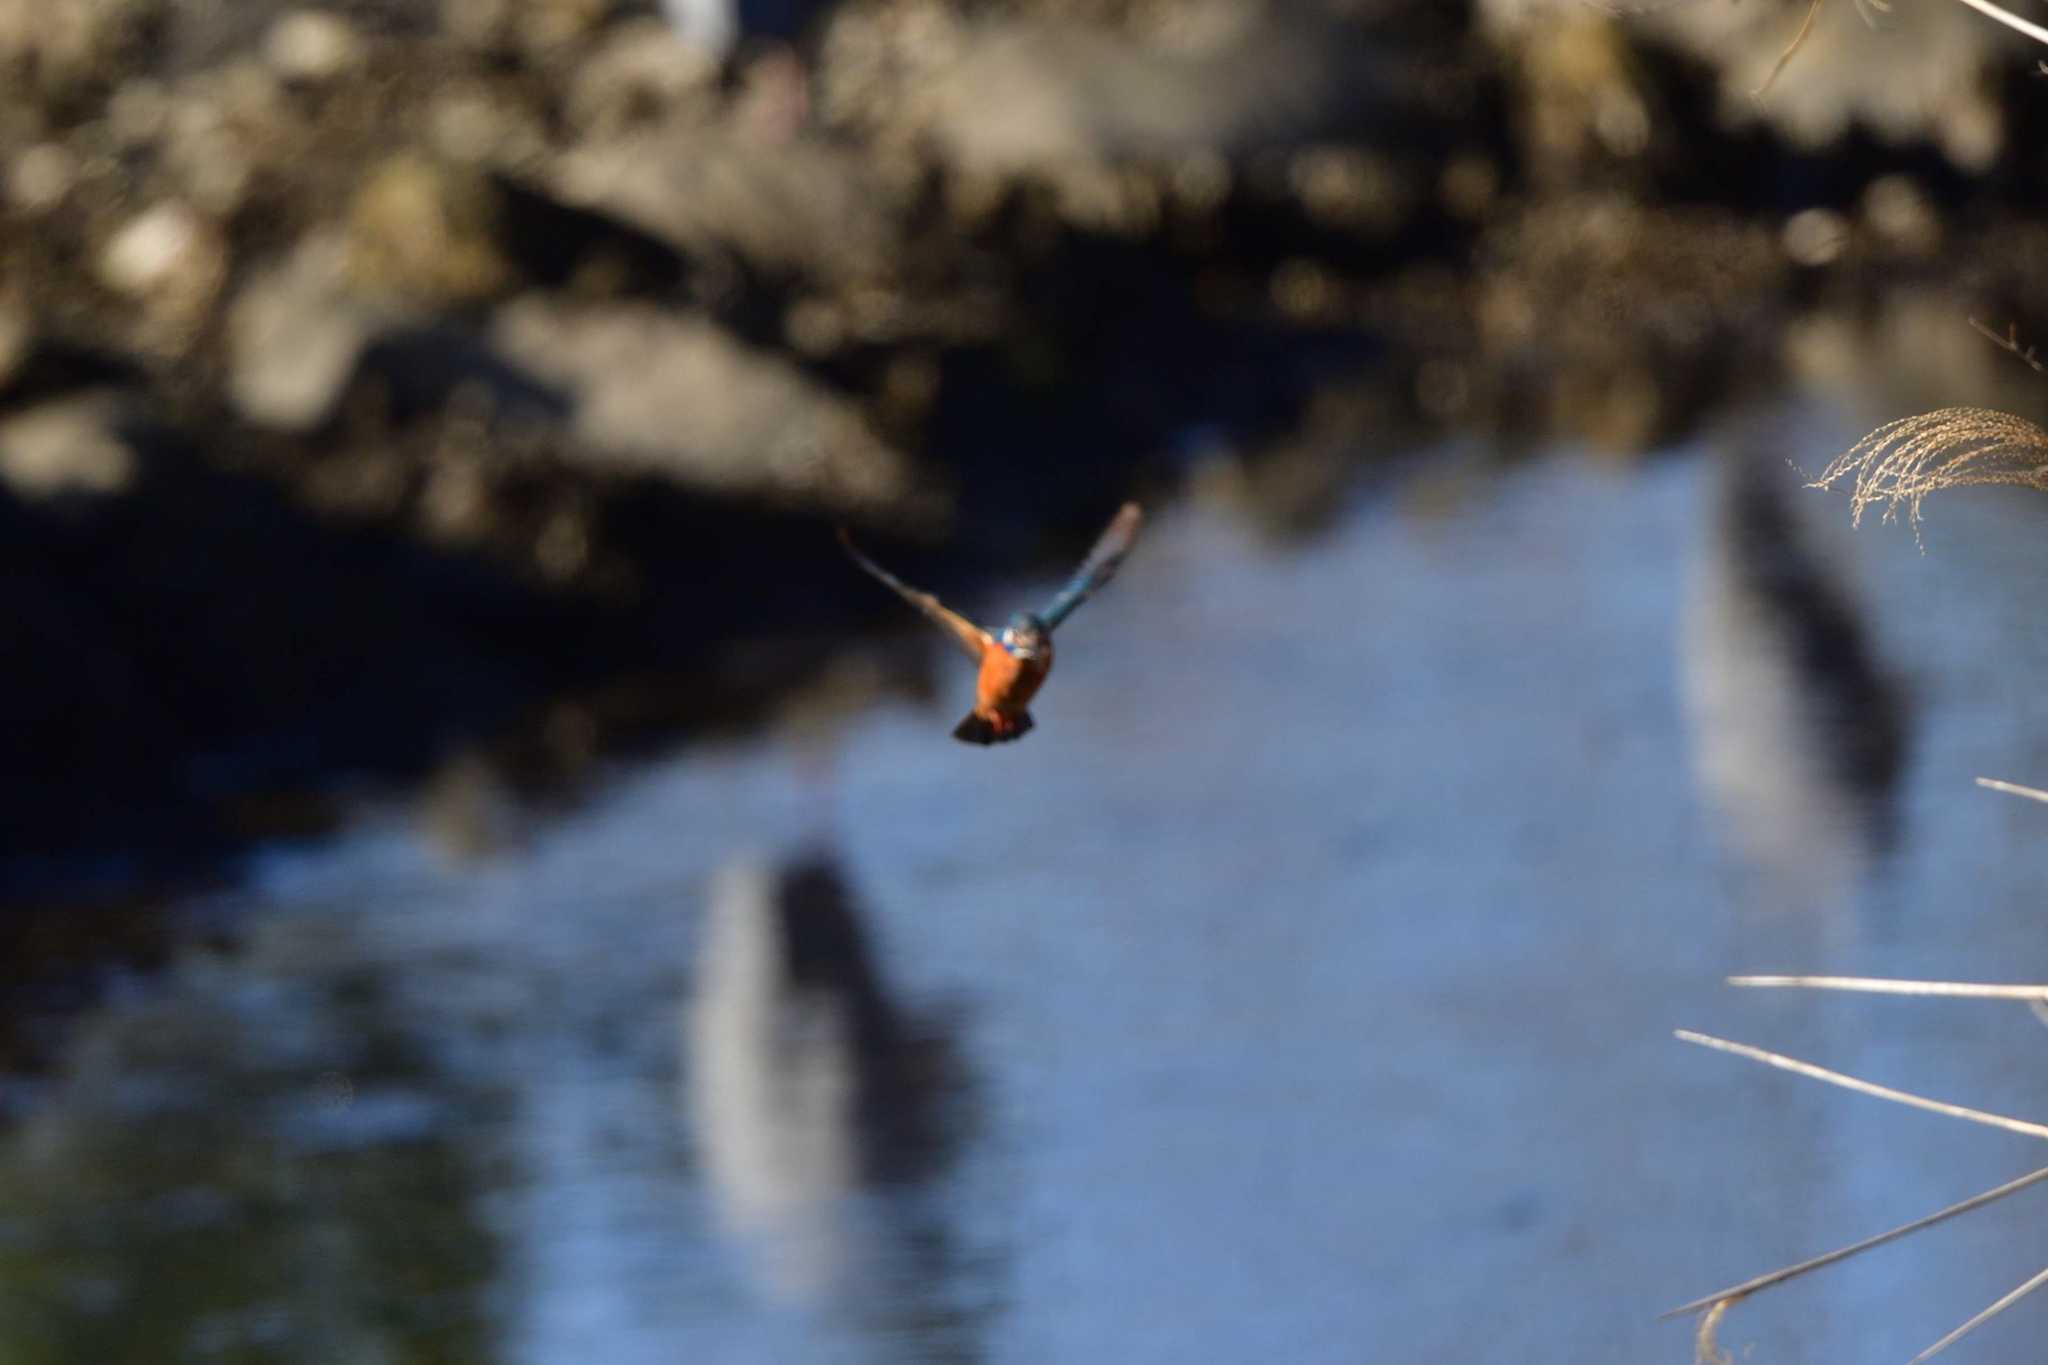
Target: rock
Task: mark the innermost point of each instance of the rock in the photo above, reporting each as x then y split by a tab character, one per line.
201	34
1897	209
301	334
65	447
64	51
1351	188
172	262
1022	98
147	253
468	123
223	129
638	72
1925	71
426	230
295	335
313	47
41	177
138	114
1814	237
801	206
676	395
1585	98
539	30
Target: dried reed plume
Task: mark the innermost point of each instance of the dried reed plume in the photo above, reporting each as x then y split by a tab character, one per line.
1901	462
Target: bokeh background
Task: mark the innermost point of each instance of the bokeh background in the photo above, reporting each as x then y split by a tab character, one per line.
482	877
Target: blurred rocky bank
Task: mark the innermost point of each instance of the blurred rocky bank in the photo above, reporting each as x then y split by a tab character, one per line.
386	378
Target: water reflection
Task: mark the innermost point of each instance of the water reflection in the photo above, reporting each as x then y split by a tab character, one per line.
1320	1011
819	1107
254	1166
1798	732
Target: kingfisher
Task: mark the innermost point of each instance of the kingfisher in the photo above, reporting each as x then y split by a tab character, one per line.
1015	660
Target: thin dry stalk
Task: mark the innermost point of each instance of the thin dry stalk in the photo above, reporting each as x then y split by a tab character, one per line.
1779	1276
1901	462
2011	21
1854	1249
2013	789
2011	342
1862	1087
1884	985
1868	9
1987	1315
1719	1300
1791	50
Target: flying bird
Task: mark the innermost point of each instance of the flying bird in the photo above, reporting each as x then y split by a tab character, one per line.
1015	661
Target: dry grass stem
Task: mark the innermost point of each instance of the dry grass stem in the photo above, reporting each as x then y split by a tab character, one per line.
1883	1092
1791	50
1987	1315
1720	1298
2011	342
1867	8
2011	21
2013	789
1877	985
1707	1350
1901	462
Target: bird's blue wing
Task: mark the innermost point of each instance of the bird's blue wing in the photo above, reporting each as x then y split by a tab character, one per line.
1100	566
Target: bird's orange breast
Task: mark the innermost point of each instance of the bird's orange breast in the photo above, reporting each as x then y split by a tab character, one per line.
1008	683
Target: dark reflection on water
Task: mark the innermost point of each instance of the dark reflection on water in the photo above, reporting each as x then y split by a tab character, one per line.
253	1167
821	1111
1799	731
1315	963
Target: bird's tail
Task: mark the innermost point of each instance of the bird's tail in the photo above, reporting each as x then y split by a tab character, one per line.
998	727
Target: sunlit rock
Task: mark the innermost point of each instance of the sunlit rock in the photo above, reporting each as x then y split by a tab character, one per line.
1905	70
40	177
63	50
799	206
426	230
660	392
313	46
294	335
1058	99
68	446
638	72
172	263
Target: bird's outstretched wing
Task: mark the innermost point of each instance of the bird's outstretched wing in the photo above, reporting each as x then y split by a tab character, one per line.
1100	566
970	637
